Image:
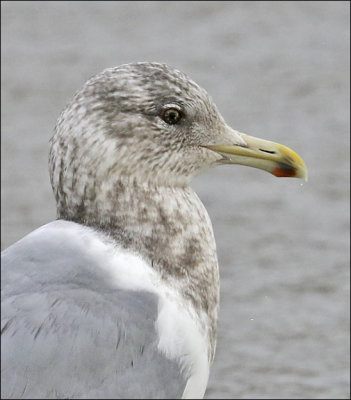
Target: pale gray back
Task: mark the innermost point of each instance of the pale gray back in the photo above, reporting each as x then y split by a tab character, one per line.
67	332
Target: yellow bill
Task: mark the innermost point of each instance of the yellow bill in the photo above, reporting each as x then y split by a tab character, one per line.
273	157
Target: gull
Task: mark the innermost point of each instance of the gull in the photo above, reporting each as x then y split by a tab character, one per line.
118	297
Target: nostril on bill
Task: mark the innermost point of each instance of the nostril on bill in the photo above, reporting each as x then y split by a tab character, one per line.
267	151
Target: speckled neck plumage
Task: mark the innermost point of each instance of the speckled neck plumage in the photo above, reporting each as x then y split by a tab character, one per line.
170	228
117	165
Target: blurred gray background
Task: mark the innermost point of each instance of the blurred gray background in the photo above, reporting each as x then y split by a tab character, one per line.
276	70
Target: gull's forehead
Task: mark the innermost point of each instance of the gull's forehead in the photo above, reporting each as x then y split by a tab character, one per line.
151	80
155	75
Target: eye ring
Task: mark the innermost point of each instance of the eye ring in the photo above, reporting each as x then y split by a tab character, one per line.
171	114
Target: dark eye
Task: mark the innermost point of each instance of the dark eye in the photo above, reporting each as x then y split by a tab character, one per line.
171	115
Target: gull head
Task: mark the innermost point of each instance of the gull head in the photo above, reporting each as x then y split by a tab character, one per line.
151	124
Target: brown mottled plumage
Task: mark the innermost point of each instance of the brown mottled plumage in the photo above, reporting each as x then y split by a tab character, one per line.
115	165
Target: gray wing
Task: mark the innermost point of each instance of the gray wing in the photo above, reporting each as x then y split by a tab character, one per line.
68	333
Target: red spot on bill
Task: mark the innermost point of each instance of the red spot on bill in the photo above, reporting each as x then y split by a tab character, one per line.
284	171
